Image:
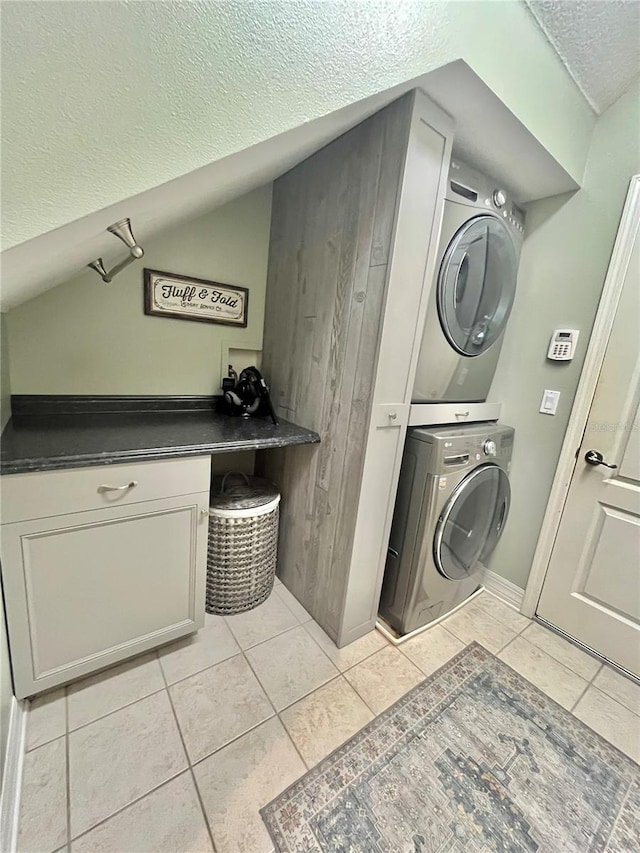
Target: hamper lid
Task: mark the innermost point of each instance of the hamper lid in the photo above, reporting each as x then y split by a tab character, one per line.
237	491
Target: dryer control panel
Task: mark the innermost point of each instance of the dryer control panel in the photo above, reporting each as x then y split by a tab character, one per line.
467	186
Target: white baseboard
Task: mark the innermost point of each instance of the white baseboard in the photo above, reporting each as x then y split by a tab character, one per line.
12	777
502	588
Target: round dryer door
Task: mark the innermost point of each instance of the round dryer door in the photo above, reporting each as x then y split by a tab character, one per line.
477	285
471	522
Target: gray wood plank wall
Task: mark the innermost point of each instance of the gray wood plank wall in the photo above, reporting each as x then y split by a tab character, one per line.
331	233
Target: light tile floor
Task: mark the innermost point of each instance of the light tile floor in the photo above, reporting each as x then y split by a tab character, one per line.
177	751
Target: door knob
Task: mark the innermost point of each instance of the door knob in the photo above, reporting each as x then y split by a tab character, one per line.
594	457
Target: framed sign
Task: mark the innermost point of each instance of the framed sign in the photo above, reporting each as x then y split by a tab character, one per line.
169	295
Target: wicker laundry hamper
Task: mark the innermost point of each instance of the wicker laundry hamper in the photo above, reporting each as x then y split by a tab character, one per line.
243	543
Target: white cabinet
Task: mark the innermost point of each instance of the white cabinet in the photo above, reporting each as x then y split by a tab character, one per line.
94	573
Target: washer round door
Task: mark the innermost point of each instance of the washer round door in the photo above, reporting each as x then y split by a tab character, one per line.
471	522
477	284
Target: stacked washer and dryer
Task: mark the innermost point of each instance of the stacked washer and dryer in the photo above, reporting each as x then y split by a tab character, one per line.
453	494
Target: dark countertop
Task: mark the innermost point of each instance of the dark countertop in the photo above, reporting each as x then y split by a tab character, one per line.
46	442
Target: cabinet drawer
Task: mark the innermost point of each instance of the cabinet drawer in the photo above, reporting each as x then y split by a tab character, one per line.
49	493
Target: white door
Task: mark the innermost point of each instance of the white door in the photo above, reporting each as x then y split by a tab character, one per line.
592	587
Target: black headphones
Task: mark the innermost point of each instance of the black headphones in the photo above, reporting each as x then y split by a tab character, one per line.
248	392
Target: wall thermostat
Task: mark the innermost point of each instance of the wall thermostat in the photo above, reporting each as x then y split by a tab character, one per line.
563	344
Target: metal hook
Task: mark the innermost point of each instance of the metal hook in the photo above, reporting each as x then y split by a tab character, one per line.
122	230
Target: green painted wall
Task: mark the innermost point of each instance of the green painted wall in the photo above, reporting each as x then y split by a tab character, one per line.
563	267
6	688
151	91
86	337
5	381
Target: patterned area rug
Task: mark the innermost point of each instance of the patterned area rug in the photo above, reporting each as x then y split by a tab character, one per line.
474	758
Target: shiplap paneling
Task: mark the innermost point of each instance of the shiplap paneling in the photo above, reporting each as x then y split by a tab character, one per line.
332	226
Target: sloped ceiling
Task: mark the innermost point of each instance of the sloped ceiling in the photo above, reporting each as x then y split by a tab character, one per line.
159	111
598	42
102	101
487	134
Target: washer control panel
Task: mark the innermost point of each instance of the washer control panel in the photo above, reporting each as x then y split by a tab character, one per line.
459	447
499	198
489	447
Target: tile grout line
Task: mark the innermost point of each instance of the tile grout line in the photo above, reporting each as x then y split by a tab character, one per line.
291	740
284	604
51	739
115	710
566	665
294	744
275	590
575	704
199	671
238	736
358	693
596	658
299	698
136	799
128	805
189	764
311	692
491	618
288	630
366	657
284	726
252	727
611	699
273	716
597	687
262	642
596	673
322	651
361	697
277	713
555	660
506	646
506	604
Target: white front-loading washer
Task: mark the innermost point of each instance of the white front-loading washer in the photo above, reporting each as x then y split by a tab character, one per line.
472	296
451	508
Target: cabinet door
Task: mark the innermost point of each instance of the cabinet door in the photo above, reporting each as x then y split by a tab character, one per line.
88	589
410	277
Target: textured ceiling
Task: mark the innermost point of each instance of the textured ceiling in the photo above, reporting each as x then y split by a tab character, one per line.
597	40
160	111
487	134
118	98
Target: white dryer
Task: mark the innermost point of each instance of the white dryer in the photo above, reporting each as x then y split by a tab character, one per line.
471	299
451	509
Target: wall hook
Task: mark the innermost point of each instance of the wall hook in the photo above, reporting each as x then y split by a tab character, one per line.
122	230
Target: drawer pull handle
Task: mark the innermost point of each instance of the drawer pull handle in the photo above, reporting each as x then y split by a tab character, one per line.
118	488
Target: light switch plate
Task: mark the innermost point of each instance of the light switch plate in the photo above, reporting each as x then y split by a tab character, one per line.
549	404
